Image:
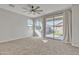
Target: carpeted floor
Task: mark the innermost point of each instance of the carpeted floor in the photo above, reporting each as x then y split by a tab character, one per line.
35	46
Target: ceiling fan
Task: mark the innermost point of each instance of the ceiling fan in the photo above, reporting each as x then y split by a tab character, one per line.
32	9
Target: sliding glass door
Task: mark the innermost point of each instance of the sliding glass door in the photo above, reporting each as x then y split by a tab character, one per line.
58	27
54	27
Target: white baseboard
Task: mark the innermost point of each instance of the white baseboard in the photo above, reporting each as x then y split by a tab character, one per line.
75	44
7	40
11	39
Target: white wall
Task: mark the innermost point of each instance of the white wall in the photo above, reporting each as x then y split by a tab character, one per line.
75	25
12	26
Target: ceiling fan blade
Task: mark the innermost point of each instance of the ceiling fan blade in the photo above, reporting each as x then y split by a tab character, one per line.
39	10
37	7
24	11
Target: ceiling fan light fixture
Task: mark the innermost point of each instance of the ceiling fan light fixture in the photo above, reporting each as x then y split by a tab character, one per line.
33	9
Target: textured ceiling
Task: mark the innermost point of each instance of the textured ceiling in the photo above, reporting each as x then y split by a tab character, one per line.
47	8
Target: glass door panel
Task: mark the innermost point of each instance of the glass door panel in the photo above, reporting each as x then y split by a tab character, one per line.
49	28
58	28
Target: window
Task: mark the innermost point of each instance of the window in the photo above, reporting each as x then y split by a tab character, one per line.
29	27
49	27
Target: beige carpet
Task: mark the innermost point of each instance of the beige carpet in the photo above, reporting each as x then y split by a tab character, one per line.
35	46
